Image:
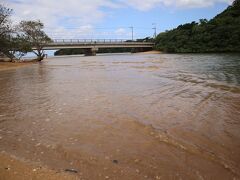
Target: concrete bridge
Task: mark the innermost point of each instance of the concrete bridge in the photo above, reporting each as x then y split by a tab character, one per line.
91	46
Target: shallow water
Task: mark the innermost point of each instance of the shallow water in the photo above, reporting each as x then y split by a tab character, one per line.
160	116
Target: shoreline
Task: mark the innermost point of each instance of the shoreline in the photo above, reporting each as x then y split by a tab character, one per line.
150	52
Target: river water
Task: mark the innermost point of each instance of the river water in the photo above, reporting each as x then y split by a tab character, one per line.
126	116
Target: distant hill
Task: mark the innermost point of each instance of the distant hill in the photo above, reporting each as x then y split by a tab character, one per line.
220	34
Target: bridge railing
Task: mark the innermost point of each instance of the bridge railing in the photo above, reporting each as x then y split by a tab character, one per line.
88	40
93	41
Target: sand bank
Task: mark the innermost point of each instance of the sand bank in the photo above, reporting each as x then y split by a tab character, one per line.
150	52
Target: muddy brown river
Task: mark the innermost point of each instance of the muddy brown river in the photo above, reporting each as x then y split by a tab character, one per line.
126	116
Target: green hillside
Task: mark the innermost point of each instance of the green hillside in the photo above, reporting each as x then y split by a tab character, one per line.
220	34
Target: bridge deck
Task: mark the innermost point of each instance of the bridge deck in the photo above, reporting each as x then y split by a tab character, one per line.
98	43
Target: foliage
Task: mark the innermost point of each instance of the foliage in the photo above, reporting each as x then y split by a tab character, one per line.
220	34
15	41
5	30
33	32
18	47
12	44
147	39
5	23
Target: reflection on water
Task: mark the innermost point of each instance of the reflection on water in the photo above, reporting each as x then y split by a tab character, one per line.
161	116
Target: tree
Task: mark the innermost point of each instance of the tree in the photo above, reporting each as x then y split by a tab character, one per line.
18	47
35	36
5	29
5	23
203	21
12	44
236	3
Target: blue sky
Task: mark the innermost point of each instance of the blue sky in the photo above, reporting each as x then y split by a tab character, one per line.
112	18
164	18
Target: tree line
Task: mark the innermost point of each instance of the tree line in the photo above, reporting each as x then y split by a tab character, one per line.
17	40
220	34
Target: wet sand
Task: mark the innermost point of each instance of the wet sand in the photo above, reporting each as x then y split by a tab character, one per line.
14	169
123	117
124	150
150	52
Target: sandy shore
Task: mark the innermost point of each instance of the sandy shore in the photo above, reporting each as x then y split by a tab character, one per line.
10	65
14	169
150	52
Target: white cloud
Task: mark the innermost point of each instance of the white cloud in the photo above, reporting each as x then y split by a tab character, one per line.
55	12
120	31
80	32
149	4
59	15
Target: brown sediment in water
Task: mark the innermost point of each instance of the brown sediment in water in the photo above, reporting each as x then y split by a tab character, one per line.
105	119
13	65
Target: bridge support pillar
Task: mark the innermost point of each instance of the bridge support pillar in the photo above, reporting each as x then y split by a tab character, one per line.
91	52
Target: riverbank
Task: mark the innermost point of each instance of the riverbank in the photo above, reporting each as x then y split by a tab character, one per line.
11	65
14	169
150	52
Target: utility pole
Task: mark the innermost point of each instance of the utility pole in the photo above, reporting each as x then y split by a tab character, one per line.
132	31
155	29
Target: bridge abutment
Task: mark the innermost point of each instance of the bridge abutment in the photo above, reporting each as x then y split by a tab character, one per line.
91	52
